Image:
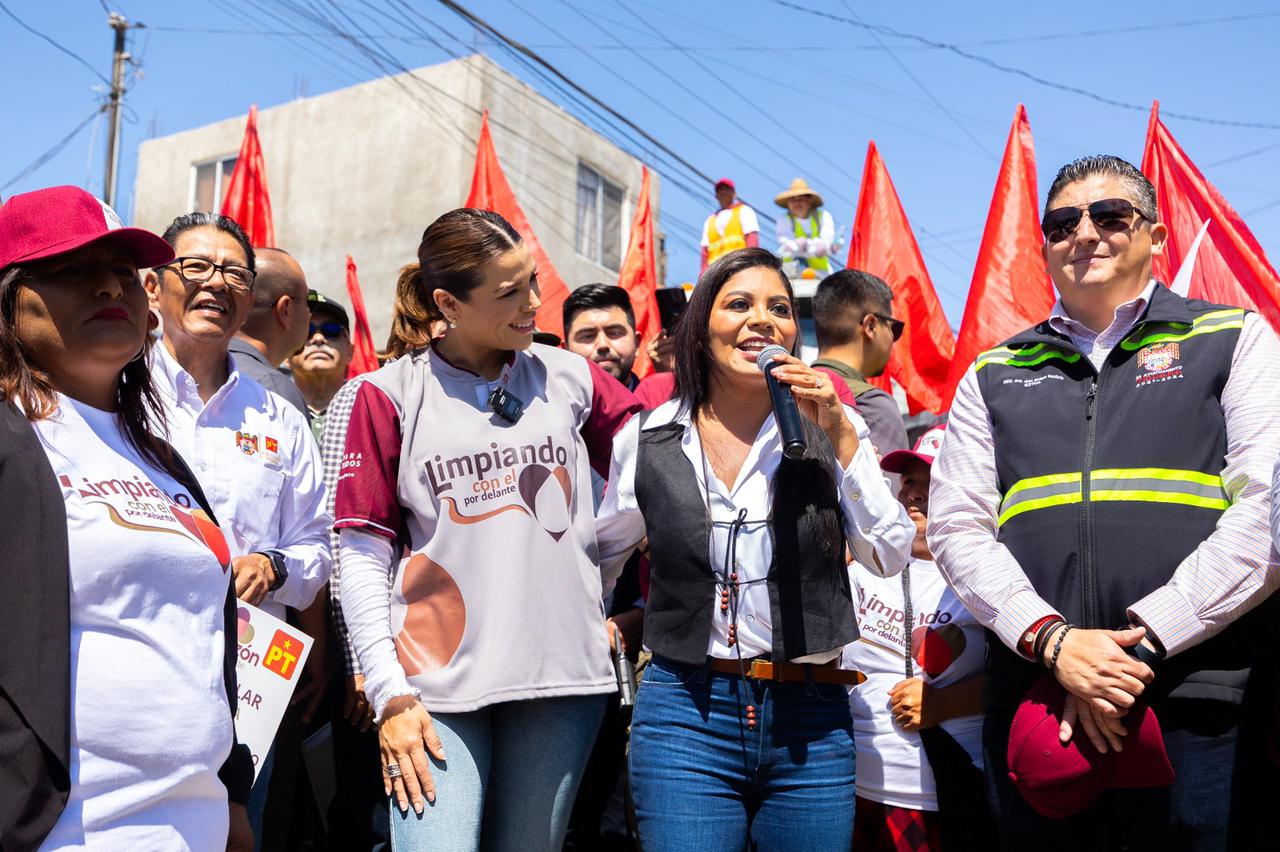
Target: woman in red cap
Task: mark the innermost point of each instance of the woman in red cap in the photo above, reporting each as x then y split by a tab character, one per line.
117	640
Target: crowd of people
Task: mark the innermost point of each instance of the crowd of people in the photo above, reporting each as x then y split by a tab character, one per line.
1040	622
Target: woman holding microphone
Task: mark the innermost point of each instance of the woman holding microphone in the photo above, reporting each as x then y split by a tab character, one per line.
742	734
470	456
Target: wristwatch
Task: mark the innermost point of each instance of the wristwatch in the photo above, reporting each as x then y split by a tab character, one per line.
277	565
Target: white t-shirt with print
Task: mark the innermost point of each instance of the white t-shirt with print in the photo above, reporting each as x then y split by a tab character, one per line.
948	647
150	724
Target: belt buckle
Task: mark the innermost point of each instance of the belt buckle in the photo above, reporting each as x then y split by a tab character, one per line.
761	670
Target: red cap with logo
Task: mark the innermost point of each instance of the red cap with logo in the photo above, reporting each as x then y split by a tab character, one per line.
1059	780
53	221
926	450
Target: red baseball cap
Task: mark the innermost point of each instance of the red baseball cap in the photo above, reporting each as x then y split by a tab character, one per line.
926	449
726	182
53	221
1058	780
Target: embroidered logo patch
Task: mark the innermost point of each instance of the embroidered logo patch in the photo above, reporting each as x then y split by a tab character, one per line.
247	443
1158	363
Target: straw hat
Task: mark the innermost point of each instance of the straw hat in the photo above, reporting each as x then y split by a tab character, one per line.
797	189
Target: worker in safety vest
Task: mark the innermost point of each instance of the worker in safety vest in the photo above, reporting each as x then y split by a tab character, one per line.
807	233
732	227
1101	504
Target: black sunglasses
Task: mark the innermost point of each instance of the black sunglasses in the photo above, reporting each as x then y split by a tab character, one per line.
331	330
1109	214
897	326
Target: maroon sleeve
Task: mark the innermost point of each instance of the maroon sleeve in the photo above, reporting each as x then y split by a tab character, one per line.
655	390
611	407
841	386
366	496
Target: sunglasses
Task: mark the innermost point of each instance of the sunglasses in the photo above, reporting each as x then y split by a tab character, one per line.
897	326
1109	214
331	330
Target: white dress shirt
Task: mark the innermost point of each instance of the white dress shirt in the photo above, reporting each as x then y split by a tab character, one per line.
806	246
876	525
254	456
1231	571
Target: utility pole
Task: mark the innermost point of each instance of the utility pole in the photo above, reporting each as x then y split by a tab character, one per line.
120	26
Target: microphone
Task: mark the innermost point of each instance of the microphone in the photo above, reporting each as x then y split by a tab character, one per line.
785	411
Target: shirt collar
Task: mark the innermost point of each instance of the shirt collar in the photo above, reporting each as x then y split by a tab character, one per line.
1128	313
239	346
177	379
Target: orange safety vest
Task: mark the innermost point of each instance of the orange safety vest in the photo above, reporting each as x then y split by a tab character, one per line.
731	240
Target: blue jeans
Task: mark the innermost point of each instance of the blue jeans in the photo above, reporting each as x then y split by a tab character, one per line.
510	778
703	781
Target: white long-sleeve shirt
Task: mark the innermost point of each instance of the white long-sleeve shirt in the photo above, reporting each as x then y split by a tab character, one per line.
806	246
258	464
1231	571
876	525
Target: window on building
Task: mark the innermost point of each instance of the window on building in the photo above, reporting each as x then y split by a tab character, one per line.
209	183
599	232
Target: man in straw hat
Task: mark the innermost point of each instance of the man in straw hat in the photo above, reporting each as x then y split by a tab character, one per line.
806	235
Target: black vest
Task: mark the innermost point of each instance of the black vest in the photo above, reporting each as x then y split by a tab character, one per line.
810	604
1110	478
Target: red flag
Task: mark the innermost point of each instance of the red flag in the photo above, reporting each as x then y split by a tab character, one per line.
1011	289
247	199
639	277
884	246
364	356
490	191
1230	266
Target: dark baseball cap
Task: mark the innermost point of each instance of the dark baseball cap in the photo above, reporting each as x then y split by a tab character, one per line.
53	221
318	302
1058	780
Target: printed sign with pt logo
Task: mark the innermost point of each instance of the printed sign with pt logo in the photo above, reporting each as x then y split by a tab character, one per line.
282	654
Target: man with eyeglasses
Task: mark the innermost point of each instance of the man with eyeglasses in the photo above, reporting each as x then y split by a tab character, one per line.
853	321
320	368
251	451
276	326
1101	505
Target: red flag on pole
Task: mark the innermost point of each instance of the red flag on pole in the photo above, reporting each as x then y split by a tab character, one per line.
247	199
884	246
1230	266
490	191
364	356
639	277
1011	289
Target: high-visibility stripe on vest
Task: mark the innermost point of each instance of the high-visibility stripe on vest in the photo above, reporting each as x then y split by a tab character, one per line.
731	240
1144	484
821	264
1110	477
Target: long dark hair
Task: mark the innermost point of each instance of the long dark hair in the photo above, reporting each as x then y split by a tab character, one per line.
801	487
138	405
692	350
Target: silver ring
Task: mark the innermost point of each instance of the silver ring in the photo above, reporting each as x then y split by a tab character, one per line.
393	770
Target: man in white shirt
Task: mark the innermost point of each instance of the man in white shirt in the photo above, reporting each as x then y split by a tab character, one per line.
730	228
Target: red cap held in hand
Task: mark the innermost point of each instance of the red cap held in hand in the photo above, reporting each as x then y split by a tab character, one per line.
1058	780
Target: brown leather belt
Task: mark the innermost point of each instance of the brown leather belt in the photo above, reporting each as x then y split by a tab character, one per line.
761	669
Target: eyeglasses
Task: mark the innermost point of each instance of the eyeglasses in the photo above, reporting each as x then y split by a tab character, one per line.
198	270
897	326
331	330
1109	214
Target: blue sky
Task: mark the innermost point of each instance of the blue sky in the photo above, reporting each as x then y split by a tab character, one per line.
762	92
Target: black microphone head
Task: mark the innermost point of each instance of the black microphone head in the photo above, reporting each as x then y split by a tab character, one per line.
767	354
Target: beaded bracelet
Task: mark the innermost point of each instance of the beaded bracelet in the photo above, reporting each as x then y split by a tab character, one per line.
1057	646
1042	636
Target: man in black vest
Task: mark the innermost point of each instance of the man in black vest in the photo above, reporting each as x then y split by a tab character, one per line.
1101	506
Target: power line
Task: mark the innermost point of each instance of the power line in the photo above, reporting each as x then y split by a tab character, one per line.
77	57
1009	69
53	151
928	93
1243	156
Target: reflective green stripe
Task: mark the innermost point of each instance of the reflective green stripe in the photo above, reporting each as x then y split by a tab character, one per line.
1040	492
1139	484
1022	357
1205	324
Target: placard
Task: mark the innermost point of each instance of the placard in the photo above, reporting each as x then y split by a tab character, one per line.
268	666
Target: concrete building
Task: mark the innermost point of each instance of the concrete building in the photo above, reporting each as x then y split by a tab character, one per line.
363	170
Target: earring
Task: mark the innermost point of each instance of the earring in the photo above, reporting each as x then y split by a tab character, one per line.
453	323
